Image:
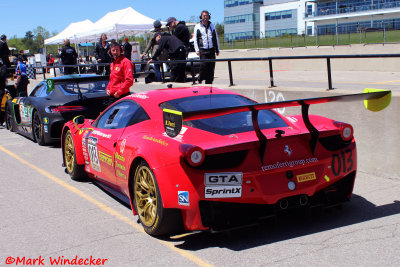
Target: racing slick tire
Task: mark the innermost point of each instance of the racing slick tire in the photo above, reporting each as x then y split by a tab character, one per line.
155	219
75	171
8	119
37	129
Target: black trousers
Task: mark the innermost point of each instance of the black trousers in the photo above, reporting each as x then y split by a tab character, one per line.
22	87
207	68
101	70
178	74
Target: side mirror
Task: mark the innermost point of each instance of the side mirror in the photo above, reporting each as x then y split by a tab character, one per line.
79	119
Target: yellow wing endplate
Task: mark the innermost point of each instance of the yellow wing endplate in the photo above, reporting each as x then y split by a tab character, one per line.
377	104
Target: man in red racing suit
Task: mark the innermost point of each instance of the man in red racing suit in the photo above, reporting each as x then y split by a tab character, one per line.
121	76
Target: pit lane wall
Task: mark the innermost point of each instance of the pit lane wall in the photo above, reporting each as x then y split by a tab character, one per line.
377	133
362	64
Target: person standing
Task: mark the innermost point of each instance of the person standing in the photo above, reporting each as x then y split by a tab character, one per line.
50	62
101	54
180	30
176	51
152	45
127	49
68	57
121	76
206	46
21	85
4	51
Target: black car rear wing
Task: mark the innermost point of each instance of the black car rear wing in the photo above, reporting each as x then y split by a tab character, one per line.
374	100
75	79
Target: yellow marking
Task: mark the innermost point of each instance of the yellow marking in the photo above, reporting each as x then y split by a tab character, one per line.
377	104
327	178
193	258
387	82
172	111
103	157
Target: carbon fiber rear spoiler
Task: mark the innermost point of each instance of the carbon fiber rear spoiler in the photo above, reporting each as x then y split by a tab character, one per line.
75	79
374	100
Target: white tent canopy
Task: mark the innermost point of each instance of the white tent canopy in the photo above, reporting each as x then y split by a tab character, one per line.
70	32
117	23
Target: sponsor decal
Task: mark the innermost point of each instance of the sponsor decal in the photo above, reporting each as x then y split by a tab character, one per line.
183	198
222	191
291	163
122	147
229	178
46	120
120	166
103	157
288	150
119	157
98	133
50	84
46	128
343	162
93	154
172	122
306	177
120	174
179	137
292	119
327	178
155	140
140	95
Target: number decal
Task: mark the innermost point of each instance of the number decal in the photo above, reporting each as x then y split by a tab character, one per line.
343	162
275	97
93	154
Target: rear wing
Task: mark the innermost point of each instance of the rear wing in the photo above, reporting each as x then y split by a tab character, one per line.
75	79
374	100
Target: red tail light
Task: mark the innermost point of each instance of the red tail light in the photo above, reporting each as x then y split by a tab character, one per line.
193	155
61	109
346	130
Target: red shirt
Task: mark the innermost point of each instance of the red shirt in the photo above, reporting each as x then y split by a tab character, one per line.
121	76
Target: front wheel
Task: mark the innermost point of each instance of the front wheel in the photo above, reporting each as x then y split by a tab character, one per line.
37	129
155	219
77	172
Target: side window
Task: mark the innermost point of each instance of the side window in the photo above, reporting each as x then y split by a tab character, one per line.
122	115
41	91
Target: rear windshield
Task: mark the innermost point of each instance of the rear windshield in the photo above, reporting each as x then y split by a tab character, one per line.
226	124
85	87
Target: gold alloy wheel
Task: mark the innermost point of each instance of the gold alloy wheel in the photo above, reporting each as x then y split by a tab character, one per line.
146	195
69	152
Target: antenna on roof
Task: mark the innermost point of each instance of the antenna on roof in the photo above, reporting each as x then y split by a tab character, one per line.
211	88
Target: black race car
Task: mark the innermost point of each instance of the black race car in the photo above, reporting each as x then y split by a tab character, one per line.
41	115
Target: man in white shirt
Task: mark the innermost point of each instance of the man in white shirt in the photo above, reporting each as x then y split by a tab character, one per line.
206	45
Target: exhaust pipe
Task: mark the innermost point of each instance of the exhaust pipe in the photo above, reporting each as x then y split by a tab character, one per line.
303	200
284	204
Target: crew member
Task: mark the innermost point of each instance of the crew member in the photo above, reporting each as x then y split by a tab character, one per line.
101	54
127	49
176	51
22	82
68	57
121	76
4	50
180	30
206	46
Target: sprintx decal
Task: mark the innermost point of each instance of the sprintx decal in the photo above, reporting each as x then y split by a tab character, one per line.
96	132
290	163
155	140
229	178
93	154
223	191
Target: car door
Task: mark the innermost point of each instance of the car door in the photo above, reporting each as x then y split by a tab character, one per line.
102	142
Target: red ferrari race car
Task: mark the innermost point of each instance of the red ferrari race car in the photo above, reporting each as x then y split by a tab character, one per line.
201	158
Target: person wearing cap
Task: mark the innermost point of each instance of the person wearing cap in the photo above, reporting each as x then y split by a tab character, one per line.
127	49
68	57
176	51
152	45
21	85
180	30
4	51
121	76
206	46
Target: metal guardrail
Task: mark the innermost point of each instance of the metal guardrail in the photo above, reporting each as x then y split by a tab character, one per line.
230	60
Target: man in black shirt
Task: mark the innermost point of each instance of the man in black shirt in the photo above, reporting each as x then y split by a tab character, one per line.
68	57
127	49
4	51
180	30
101	54
176	51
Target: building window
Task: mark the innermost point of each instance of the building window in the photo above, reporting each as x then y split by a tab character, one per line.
286	14
240	35
240	19
276	33
232	3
